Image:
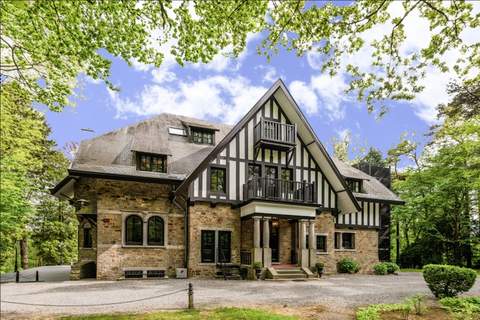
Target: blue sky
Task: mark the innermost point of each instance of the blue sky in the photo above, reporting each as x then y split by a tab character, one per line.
226	88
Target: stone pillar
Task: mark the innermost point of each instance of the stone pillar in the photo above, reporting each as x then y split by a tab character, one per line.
267	251
256	232
312	243
303	251
257	252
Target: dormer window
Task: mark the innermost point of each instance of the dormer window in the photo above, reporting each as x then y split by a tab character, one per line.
355	185
151	162
203	136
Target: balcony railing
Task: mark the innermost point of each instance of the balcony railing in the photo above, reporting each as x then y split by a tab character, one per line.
280	190
267	131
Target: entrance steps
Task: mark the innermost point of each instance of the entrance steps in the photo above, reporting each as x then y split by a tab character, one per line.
289	273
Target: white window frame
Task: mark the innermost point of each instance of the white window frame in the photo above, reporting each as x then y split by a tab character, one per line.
176	131
326	244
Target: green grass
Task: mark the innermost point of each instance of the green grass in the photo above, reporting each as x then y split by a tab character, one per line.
216	314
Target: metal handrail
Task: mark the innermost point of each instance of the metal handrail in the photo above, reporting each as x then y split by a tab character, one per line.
278	189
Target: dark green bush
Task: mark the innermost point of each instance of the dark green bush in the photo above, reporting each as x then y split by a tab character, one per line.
380	269
392	267
347	265
448	281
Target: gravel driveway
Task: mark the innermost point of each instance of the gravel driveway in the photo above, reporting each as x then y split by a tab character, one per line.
336	291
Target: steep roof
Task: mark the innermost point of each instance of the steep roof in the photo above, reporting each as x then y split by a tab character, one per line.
111	153
372	187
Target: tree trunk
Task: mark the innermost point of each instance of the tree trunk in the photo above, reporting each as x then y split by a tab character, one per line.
24	252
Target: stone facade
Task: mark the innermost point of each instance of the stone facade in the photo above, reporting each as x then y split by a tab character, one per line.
114	201
111	201
366	246
203	216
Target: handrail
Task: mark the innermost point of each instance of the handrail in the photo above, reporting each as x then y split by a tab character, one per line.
275	131
278	189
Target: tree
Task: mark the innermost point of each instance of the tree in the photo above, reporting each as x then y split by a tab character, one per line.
441	190
374	157
30	165
46	44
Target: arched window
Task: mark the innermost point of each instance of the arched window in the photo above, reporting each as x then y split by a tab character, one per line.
155	231
134	230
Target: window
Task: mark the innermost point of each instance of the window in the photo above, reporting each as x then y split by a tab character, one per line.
321	243
155	231
216	246
203	136
254	171
224	244
87	237
151	162
176	131
208	246
217	180
345	240
354	185
286	174
133	230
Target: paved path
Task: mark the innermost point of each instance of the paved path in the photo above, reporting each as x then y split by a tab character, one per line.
47	273
338	291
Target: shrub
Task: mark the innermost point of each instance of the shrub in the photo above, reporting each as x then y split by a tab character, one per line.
347	265
392	267
257	265
380	269
448	281
462	308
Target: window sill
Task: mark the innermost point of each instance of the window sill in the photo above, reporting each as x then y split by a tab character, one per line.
322	253
87	248
143	246
345	250
210	264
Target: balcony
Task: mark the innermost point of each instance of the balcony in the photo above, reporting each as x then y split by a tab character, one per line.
276	135
279	190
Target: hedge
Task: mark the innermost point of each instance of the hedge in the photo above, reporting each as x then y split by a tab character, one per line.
448	281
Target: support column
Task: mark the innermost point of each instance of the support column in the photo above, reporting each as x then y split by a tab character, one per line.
303	251
312	243
257	252
267	251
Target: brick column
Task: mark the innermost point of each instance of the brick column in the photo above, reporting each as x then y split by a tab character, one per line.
312	243
257	251
267	251
303	251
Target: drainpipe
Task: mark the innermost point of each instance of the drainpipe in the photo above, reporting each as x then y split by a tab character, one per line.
185	227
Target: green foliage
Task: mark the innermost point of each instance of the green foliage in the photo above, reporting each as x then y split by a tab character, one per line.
374	157
448	281
257	265
347	265
29	165
380	269
392	267
465	308
437	222
373	312
46	44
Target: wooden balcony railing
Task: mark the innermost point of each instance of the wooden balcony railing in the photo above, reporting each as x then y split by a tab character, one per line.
280	190
267	131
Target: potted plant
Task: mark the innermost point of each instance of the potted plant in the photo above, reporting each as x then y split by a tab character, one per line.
319	269
257	266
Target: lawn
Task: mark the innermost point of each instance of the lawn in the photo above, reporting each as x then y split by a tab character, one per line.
217	314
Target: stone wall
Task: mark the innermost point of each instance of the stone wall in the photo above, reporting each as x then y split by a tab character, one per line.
203	216
366	246
115	200
285	241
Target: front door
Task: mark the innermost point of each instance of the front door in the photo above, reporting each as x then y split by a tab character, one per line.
274	240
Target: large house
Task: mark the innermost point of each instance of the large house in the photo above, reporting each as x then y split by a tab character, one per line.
175	192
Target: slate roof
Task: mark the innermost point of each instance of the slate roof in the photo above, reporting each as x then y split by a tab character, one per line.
372	187
112	152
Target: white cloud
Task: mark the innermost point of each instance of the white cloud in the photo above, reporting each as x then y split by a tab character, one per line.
343	134
224	98
305	96
418	36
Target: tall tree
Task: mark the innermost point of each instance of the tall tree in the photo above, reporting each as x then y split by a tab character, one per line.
374	157
46	44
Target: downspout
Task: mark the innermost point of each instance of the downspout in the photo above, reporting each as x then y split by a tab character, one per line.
185	227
